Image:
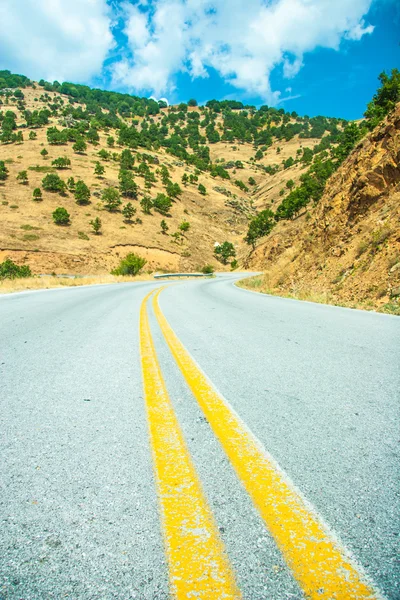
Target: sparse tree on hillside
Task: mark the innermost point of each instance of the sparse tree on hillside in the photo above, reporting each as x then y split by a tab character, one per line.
3	171
202	189
32	135
82	193
164	226
290	184
71	184
103	154
146	204
110	141
128	211
184	226
44	153
185	179
192	102
162	204
96	225
61	216
37	195
22	177
111	200
223	252
99	169
80	146
52	182
127	160
127	185
252	181
62	162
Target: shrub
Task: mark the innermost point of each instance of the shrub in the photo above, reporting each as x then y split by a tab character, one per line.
10	270
37	194
234	264
184	226
207	269
62	162
44	152
99	169
96	225
53	183
202	189
252	181
132	264
162	204
80	146
110	198
61	216
164	226
82	193
3	171
23	177
128	211
147	204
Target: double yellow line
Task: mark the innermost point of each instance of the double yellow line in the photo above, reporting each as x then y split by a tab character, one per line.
198	563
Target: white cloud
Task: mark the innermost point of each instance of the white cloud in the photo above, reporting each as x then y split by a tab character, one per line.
243	40
55	39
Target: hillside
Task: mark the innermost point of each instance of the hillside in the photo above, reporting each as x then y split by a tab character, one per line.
242	156
346	248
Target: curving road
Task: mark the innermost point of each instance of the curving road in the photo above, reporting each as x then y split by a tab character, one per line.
314	388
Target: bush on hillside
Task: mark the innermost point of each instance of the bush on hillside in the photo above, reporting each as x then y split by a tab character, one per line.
132	264
10	270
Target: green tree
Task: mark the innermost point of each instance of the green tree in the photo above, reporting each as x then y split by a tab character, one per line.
192	102
61	216
44	153
96	225
32	135
82	193
185	179
223	252
99	169
62	162
52	182
37	194
147	204
173	189
164	226
259	155
3	171
184	226
111	200
127	185
202	189
110	141
71	184
132	264
80	146
22	177
261	225
127	160
385	98
10	270
207	269
290	184
128	211
252	181
162	204
103	154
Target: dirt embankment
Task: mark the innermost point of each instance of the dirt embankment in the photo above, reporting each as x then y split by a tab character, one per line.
348	246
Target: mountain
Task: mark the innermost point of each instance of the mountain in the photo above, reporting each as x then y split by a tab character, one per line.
346	248
242	156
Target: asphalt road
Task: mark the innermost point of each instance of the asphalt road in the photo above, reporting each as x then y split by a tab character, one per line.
318	386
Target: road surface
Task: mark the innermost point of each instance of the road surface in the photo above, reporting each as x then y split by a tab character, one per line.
208	443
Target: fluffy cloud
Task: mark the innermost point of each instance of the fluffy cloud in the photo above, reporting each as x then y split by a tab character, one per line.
243	40
55	39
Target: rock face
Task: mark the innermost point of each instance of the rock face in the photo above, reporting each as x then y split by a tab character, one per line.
349	244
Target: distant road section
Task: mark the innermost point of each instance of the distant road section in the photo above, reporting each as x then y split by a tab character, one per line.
199	441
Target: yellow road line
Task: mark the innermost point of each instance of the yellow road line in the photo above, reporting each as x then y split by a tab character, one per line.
322	567
198	565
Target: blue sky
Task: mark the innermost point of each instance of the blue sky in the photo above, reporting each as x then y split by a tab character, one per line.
312	56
